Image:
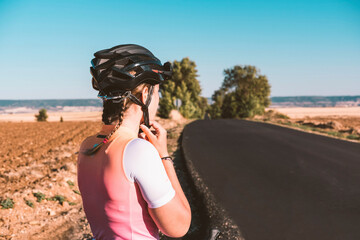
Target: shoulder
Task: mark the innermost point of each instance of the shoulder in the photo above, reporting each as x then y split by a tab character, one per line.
139	156
140	146
85	143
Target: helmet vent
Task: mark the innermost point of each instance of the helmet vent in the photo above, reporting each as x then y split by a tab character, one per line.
124	67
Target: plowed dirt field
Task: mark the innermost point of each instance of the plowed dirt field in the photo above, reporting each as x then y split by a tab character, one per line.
38	184
40	157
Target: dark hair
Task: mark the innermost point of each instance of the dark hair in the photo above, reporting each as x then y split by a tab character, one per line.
114	112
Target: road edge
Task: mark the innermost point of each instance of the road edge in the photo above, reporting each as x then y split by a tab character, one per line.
216	214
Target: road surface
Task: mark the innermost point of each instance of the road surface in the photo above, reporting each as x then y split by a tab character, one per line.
278	183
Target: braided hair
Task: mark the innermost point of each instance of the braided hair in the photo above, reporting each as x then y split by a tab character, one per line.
113	112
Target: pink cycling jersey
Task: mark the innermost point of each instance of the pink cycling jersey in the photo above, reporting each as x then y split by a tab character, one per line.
116	207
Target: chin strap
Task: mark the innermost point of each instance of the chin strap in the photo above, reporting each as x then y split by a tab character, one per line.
144	107
127	94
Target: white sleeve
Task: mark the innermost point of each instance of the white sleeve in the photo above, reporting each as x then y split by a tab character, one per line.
143	164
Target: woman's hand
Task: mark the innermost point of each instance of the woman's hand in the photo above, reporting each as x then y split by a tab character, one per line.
158	138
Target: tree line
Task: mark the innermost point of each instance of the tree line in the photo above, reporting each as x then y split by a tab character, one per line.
243	93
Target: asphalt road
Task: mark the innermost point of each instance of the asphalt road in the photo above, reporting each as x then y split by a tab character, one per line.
278	183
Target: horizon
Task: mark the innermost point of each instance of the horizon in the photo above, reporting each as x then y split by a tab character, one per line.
92	104
205	97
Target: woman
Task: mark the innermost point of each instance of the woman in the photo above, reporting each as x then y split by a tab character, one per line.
127	180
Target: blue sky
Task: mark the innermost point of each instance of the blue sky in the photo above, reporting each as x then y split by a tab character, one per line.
303	47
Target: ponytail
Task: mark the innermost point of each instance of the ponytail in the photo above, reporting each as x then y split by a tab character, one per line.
112	112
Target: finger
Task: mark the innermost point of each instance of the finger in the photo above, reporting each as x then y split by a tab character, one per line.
157	126
142	135
147	132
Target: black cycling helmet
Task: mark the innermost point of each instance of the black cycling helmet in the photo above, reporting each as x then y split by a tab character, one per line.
118	70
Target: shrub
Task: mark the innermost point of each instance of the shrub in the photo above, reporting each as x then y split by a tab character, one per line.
281	115
42	116
29	203
353	137
7	203
40	196
70	183
76	191
58	198
335	134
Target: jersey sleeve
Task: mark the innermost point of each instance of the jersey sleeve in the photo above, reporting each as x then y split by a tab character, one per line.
143	165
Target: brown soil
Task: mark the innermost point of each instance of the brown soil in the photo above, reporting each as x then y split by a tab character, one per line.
40	157
337	123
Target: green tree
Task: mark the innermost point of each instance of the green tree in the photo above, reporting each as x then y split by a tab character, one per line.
203	104
166	103
184	86
244	93
42	116
215	110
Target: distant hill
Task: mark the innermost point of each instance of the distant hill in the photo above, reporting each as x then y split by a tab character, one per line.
52	105
313	101
316	101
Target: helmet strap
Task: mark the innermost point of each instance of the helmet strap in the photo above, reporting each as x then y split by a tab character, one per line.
144	107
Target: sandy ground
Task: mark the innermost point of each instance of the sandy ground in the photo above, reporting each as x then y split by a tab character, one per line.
294	112
338	122
53	116
302	112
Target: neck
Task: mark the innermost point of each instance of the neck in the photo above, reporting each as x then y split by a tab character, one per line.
131	121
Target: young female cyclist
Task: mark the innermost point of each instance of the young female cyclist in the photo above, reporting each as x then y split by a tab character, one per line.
127	181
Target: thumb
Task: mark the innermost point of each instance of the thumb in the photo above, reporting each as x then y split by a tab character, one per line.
147	132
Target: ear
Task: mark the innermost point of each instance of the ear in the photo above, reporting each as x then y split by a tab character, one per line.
144	94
